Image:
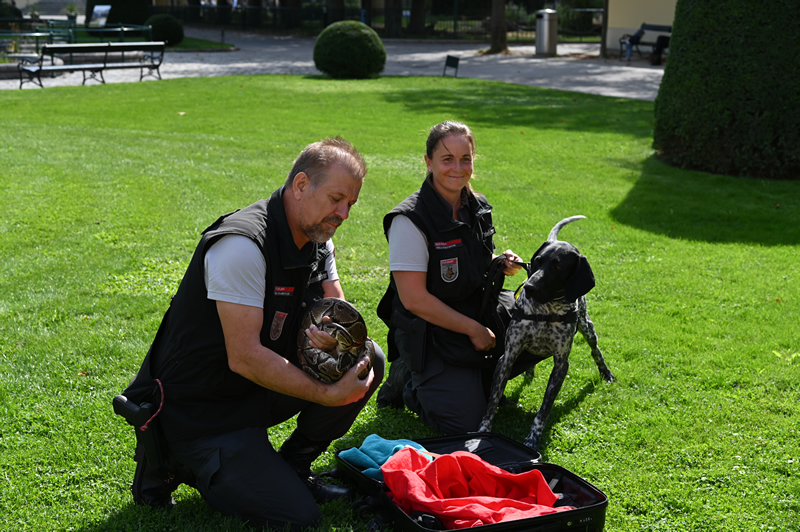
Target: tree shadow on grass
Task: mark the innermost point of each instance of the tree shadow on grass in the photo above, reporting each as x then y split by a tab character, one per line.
487	103
698	206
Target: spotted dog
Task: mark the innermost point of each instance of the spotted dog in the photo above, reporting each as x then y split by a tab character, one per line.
550	308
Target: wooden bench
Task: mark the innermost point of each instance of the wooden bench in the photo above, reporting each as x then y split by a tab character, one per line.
651	43
93	58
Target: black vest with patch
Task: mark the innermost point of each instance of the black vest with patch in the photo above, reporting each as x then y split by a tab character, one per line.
458	254
202	395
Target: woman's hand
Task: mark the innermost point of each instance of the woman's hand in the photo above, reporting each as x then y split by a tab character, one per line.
511	259
482	338
320	339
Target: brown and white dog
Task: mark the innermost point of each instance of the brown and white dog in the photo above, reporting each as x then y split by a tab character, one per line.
550	309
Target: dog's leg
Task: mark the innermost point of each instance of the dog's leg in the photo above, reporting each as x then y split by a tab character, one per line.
560	368
500	379
586	327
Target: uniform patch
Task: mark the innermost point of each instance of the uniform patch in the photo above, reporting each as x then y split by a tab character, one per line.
277	325
284	290
319	277
447	245
449	268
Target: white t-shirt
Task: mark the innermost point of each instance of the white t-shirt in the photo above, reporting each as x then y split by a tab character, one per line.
235	271
408	246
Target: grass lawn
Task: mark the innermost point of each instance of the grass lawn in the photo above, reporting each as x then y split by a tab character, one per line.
104	191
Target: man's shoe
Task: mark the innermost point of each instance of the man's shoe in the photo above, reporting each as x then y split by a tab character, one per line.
149	488
324	492
391	392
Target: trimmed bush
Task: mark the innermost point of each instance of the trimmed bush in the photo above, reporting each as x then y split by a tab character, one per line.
166	28
729	102
349	49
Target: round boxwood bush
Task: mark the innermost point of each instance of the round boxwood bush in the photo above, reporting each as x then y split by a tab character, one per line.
349	49
728	102
166	28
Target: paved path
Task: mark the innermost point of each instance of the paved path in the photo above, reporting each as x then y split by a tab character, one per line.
577	67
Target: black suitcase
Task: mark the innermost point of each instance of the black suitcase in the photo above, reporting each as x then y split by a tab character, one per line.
590	503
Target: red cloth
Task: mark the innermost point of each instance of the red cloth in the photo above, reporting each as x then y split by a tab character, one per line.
464	491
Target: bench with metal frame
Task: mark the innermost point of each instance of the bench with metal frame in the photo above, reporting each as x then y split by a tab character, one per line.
652	44
94	58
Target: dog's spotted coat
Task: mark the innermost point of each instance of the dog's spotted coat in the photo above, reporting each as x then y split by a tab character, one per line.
544	323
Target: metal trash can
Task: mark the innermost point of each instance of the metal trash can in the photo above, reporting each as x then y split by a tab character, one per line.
546	32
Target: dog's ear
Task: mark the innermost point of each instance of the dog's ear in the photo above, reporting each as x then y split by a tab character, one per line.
580	282
538	252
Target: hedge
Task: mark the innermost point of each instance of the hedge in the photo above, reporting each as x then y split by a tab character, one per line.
729	101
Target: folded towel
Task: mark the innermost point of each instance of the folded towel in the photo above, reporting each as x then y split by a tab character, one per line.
374	452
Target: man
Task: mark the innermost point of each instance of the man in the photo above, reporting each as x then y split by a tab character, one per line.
223	365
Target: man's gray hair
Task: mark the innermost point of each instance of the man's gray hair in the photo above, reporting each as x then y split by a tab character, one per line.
316	158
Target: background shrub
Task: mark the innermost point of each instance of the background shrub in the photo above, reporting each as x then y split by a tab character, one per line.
349	49
730	95
166	28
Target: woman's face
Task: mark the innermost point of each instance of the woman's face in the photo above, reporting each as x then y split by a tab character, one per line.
451	165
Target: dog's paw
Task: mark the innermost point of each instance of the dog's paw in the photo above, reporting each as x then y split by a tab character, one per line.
486	426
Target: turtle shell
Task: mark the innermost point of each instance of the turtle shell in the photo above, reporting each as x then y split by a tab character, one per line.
348	327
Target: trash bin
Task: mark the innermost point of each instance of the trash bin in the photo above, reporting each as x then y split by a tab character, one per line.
546	32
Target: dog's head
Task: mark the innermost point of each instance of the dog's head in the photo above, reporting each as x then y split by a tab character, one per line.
557	268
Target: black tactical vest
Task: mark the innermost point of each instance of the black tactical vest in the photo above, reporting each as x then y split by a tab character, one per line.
458	254
202	395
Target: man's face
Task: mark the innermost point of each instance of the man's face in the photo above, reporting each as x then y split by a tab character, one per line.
322	210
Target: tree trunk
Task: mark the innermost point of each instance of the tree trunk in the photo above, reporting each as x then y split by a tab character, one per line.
335	11
499	28
416	25
393	15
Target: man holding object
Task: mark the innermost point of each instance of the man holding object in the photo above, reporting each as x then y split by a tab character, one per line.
223	366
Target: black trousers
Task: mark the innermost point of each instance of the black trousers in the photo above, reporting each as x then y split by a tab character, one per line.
240	472
449	398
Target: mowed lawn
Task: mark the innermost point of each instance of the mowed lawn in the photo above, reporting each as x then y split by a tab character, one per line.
105	189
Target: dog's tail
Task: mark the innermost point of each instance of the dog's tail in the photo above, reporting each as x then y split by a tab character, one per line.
554	232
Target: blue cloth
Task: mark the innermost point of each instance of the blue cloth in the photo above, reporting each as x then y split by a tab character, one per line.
373	453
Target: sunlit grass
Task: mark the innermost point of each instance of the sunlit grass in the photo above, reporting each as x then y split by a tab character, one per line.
105	189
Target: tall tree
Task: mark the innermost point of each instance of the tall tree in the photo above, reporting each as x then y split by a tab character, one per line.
499	27
729	99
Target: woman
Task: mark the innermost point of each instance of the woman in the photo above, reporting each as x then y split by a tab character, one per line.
440	248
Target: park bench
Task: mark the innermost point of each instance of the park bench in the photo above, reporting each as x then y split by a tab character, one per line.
92	59
649	29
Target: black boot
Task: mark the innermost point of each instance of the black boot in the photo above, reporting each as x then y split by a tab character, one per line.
151	487
300	452
391	392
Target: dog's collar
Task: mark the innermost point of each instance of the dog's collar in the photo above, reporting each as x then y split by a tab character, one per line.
569	317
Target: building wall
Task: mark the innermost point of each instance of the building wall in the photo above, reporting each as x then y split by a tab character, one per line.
626	16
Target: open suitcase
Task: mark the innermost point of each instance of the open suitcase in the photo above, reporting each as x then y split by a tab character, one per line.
590	503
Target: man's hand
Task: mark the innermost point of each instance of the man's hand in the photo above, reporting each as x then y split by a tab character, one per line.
350	388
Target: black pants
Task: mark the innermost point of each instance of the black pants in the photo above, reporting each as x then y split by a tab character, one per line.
449	398
240	473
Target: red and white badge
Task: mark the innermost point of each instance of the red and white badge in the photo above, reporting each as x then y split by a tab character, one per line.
277	325
284	290
449	269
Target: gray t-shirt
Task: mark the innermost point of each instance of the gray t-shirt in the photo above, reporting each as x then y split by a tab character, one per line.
235	271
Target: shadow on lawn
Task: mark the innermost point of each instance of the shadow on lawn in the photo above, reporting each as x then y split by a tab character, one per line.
697	206
482	103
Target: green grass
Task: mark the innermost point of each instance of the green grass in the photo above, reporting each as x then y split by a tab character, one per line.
104	191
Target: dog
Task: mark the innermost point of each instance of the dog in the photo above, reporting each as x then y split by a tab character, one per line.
549	310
